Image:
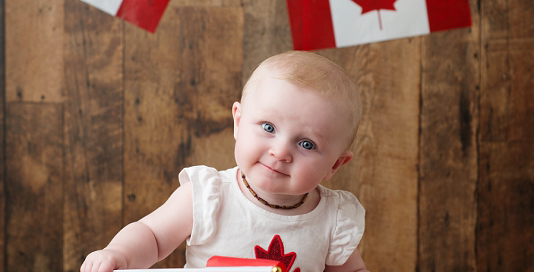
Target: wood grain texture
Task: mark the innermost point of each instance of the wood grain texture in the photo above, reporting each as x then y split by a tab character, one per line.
33	186
266	32
93	105
506	207
505	189
520	17
34	50
179	88
521	108
506	72
2	141
383	173
448	149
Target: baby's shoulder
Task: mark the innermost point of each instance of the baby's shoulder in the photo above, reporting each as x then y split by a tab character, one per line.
338	197
349	224
205	175
343	205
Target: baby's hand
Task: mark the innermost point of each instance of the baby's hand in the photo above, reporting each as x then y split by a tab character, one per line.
105	260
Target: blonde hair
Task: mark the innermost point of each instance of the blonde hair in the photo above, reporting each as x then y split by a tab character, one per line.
314	72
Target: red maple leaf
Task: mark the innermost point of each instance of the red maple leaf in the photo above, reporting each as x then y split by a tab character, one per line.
370	5
275	251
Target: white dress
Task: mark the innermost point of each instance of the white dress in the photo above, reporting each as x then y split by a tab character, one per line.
226	223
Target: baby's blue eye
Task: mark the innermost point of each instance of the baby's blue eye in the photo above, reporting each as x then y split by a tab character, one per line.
267	127
307	145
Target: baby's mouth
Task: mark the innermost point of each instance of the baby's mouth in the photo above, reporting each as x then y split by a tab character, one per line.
273	169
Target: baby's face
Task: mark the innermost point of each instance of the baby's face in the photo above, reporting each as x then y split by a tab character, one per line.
288	139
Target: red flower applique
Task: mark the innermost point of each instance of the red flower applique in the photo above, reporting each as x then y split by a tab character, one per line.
275	252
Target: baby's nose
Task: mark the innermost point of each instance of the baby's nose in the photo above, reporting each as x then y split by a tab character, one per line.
281	152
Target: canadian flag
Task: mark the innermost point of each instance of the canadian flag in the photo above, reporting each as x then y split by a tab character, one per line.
142	13
319	24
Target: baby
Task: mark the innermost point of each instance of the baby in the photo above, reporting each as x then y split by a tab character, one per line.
294	127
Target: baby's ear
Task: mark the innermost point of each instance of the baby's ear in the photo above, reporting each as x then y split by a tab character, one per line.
344	158
236	113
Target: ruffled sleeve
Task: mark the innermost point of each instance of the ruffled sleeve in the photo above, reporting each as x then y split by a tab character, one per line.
206	184
350	224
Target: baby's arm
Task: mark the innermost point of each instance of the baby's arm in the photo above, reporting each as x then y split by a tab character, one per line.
354	263
154	237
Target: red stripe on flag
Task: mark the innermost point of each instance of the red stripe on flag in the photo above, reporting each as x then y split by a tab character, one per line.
143	13
448	14
311	24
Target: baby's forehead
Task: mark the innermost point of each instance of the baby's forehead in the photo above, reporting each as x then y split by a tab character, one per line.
260	84
321	115
261	87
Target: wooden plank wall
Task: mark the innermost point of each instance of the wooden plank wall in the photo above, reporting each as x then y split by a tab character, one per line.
97	117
